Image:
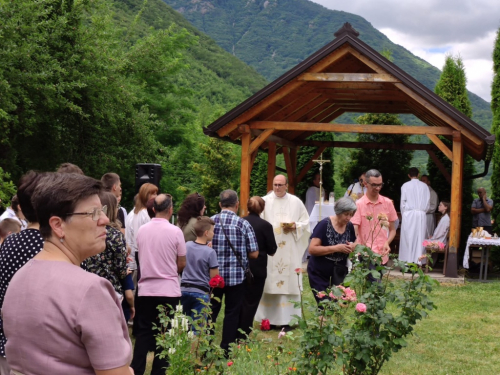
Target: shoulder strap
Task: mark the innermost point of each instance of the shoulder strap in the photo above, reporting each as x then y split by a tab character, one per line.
229	242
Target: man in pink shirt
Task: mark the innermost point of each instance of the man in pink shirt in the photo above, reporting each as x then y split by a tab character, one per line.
366	218
162	255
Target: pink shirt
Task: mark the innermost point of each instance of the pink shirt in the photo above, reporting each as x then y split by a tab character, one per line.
365	227
159	244
60	320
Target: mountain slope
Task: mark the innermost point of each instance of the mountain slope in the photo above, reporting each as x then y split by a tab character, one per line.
273	36
213	73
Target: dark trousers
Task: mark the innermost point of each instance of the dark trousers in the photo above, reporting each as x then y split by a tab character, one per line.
251	300
233	301
147	314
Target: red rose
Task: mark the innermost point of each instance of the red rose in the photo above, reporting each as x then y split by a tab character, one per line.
265	325
216	282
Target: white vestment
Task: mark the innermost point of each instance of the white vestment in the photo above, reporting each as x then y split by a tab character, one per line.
312	196
415	197
354	190
431	220
282	283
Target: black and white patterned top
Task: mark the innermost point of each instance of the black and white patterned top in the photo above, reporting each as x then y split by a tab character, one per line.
16	251
330	237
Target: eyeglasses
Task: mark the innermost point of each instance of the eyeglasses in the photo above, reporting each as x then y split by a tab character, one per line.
96	213
376	185
279	185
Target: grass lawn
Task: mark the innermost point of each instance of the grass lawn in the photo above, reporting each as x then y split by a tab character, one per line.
461	337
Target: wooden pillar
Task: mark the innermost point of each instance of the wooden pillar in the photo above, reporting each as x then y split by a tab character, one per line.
245	172
456	205
271	165
289	169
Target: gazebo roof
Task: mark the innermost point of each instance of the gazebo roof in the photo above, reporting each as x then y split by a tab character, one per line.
346	75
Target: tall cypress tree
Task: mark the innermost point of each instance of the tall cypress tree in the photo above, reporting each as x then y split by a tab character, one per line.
452	88
495	129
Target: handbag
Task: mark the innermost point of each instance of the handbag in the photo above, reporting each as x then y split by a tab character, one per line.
249	279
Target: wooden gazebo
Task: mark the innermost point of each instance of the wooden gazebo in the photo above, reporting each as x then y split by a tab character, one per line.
347	75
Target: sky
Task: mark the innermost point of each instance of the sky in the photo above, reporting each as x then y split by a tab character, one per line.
431	29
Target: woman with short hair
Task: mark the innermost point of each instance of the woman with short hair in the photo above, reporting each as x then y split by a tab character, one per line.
58	318
331	243
112	262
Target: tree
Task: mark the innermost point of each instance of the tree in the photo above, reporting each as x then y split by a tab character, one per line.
258	177
495	129
218	170
7	189
452	88
393	164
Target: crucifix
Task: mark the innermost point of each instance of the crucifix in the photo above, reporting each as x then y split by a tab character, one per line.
320	161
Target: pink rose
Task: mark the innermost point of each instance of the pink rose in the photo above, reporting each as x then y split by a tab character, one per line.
298	270
321	295
349	295
332	296
230	363
361	307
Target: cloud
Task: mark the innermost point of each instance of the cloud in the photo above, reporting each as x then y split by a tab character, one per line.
476	56
431	21
431	29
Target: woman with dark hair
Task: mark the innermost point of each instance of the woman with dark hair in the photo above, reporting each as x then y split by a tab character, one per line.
58	318
19	248
192	207
112	262
138	218
331	243
267	247
441	232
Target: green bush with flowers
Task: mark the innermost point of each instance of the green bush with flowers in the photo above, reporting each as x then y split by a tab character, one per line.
354	331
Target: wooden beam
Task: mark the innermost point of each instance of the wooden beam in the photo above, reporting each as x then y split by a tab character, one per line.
456	205
435	111
369	145
347	77
293	159
350	128
271	165
302	101
244	129
260	139
245	173
275	139
351	86
440	166
289	170
365	60
444	149
309	164
280	93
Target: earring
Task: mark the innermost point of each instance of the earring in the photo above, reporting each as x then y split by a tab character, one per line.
61	239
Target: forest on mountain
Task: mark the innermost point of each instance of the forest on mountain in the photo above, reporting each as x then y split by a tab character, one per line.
106	85
273	36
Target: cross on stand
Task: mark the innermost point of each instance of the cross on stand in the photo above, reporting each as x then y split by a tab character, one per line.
320	161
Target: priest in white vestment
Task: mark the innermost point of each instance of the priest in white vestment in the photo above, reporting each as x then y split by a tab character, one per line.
282	283
415	197
433	204
312	194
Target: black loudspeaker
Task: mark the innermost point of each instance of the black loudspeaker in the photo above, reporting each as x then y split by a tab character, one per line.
147	173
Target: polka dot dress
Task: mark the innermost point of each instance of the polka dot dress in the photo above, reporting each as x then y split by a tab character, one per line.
16	251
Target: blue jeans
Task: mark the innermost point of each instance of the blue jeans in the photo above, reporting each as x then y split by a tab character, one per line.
191	301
